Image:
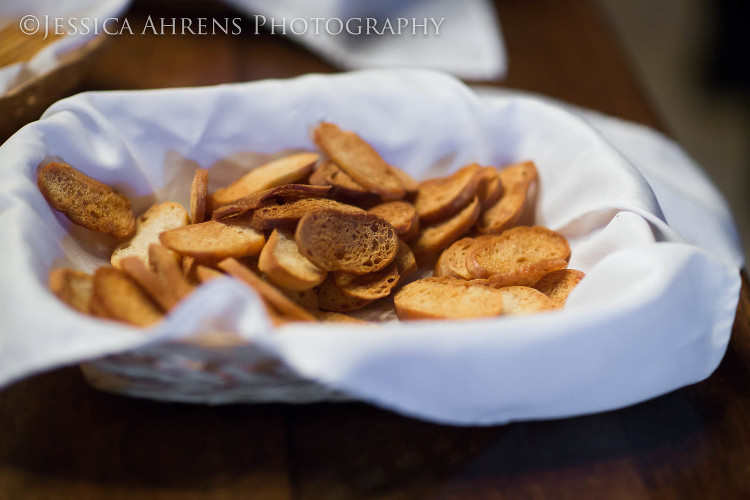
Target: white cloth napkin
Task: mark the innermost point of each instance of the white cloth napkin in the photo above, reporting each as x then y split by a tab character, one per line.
656	240
468	43
43	13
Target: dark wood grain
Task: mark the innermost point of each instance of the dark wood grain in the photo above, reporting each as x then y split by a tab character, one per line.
61	439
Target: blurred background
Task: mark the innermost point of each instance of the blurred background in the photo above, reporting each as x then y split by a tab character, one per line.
693	60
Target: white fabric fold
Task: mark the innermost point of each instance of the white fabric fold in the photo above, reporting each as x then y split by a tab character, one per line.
467	43
654	312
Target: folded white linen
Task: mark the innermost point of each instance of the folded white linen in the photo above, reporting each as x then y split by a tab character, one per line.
462	38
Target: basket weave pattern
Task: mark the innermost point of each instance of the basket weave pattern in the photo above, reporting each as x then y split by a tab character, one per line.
193	372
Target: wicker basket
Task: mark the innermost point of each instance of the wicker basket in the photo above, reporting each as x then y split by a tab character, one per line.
27	102
212	369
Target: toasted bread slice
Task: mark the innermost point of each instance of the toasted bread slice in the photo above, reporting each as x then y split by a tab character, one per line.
405	261
358	159
148	226
198	194
85	201
412	234
190	268
332	298
287	170
410	185
490	187
336	317
527	274
504	214
189	265
401	215
169	271
515	248
305	298
434	238
519	300
285	266
279	194
353	242
270	295
447	298
439	199
215	239
452	261
72	287
557	285
287	215
329	174
96	308
368	286
205	273
118	297
150	282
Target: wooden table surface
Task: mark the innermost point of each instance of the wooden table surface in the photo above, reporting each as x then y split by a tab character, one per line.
61	439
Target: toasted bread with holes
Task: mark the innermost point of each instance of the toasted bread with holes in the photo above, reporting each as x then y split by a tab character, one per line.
490	187
360	160
72	287
332	298
405	261
436	237
198	194
279	194
557	285
329	174
447	298
150	282
504	214
519	300
516	247
270	295
148	226
352	242
285	266
527	274
85	201
368	286
287	215
286	170
215	239
439	199
336	317
118	297
401	215
169	271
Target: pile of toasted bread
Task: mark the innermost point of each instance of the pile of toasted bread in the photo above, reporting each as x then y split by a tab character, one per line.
318	236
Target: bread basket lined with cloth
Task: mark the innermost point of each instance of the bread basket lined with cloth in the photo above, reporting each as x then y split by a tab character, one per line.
655	239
